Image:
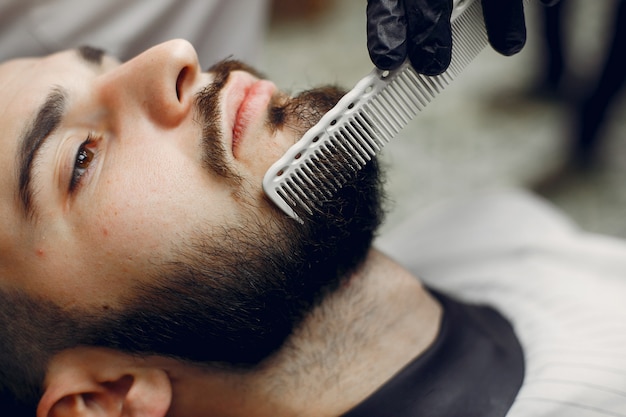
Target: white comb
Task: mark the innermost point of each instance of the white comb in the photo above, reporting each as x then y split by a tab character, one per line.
365	119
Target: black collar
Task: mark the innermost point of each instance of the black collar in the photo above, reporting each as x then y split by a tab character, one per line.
474	368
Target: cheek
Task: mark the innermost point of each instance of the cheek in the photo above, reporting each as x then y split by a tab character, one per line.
143	216
259	158
128	225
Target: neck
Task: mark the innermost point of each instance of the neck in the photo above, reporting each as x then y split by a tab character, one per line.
346	348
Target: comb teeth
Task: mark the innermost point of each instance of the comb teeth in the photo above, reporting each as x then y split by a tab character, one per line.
364	120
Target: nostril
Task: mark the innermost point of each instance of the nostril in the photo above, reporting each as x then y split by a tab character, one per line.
179	82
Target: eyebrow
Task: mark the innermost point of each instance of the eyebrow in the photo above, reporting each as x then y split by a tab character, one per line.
91	54
47	120
43	125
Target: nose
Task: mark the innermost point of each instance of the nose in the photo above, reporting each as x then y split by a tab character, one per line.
158	83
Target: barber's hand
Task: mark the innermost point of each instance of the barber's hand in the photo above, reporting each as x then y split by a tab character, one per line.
420	29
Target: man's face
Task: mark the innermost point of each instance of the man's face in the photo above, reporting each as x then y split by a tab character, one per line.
132	205
120	170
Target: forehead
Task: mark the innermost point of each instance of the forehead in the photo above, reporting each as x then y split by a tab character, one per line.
25	82
24	85
17	96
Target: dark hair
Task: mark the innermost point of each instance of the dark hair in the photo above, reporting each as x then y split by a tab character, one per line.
30	333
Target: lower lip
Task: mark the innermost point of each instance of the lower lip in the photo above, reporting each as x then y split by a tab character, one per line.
253	106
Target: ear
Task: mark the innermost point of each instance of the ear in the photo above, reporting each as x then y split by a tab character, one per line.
90	382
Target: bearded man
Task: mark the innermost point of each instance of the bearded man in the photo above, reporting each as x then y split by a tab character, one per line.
145	273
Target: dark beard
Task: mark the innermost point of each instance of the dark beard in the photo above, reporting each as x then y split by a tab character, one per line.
233	295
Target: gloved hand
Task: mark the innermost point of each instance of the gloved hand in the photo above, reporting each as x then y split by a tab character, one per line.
420	29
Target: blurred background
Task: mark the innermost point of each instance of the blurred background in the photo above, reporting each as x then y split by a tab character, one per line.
492	127
505	121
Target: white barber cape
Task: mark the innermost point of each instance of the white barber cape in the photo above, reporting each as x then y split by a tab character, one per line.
563	290
125	28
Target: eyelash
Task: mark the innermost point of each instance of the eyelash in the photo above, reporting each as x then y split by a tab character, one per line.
83	159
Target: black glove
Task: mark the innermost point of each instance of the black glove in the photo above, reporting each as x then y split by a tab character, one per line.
420	29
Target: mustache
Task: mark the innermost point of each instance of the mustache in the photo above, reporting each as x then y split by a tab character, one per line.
305	109
223	68
298	113
209	116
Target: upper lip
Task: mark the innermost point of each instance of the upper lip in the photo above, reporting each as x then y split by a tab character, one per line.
240	103
235	92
